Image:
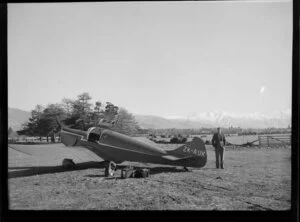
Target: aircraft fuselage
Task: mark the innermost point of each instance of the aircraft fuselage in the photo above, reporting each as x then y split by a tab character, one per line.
114	146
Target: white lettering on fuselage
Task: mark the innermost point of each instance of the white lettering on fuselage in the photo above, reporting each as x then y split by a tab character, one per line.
187	149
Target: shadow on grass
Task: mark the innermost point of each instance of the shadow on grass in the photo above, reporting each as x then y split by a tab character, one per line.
158	170
38	170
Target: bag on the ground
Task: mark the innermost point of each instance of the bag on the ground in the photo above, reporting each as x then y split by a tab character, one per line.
127	172
142	173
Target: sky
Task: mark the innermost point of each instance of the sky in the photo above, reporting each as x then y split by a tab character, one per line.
153	58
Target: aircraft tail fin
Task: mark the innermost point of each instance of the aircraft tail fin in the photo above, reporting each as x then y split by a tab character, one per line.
69	136
195	148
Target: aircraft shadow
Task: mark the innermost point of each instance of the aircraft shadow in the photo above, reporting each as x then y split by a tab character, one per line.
38	170
153	171
158	170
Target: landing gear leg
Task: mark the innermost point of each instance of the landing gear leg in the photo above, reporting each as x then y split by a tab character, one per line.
110	168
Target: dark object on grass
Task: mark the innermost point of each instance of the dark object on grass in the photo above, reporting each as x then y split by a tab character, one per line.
249	143
174	140
183	140
127	172
142	173
178	140
68	163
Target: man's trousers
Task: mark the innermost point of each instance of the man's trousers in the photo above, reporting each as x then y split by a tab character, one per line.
219	151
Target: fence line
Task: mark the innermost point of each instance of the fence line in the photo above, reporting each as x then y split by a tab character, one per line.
274	140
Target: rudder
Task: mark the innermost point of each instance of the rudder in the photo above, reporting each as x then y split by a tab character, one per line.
195	148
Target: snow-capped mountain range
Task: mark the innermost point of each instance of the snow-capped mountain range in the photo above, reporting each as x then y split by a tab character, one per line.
280	119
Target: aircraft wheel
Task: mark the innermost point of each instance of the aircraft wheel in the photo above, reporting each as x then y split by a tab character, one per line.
110	169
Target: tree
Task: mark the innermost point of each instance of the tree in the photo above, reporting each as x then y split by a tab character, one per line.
43	121
95	115
35	126
97	108
100	115
126	123
79	114
111	111
67	105
49	119
81	109
82	104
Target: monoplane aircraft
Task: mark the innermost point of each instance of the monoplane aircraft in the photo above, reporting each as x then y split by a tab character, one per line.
115	148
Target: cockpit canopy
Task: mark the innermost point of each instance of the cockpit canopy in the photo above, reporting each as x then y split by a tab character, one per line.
94	134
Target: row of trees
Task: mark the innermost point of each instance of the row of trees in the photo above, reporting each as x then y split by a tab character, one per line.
78	113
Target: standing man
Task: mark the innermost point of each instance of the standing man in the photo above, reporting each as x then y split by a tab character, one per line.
217	140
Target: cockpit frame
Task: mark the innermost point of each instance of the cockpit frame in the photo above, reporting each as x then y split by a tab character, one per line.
94	134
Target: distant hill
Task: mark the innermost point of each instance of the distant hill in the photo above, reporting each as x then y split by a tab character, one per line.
16	117
157	122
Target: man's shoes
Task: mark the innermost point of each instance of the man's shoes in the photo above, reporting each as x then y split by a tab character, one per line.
222	166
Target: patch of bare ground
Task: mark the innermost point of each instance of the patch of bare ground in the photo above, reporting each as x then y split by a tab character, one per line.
253	179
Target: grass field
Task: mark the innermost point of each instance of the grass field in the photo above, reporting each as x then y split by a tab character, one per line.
253	179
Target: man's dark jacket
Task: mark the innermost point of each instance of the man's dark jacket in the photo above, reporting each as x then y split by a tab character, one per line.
217	139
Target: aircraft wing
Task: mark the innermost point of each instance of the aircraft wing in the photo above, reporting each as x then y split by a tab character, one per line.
48	155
